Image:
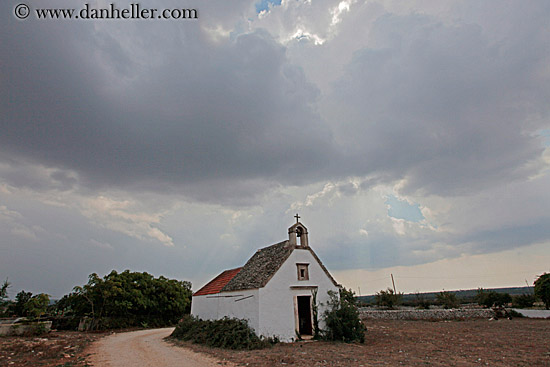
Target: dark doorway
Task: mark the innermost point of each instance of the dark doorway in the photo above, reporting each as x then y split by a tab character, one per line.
304	315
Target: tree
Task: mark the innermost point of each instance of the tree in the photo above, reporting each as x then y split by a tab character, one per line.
491	298
388	298
129	299
448	299
4	291
36	306
342	318
523	300
21	300
27	305
4	296
542	289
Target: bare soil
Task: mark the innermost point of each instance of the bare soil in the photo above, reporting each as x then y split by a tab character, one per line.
518	342
63	348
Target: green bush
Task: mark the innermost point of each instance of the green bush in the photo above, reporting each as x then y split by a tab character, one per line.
514	313
225	333
388	298
421	301
491	298
523	301
342	318
448	300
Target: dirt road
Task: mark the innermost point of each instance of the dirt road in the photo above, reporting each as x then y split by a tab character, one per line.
144	348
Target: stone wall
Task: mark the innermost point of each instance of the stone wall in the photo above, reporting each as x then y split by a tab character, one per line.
33	328
433	315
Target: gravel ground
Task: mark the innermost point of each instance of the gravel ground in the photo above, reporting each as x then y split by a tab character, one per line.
517	342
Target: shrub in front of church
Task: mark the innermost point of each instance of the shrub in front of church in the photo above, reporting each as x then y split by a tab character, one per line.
225	333
342	318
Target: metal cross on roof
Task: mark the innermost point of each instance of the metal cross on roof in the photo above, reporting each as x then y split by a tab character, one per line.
297	217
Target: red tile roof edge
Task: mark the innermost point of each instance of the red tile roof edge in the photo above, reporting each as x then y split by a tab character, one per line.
215	285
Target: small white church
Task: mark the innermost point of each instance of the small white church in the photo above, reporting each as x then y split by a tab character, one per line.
273	290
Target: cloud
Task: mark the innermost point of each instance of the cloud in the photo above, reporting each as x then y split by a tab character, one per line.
439	105
206	137
122	114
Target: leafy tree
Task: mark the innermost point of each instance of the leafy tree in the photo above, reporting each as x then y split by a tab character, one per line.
491	298
448	299
523	300
342	318
27	305
21	300
4	297
388	298
130	298
542	289
421	301
36	306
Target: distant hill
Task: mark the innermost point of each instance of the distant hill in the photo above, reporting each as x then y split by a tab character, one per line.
464	295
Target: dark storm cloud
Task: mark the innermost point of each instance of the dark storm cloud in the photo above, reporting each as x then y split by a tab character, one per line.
134	108
173	107
442	104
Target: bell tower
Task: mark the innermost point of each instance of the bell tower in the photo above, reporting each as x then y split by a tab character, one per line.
297	234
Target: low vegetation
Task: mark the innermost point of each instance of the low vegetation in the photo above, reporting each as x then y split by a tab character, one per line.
224	333
388	298
492	298
342	318
448	300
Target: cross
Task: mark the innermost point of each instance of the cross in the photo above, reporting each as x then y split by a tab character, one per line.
297	217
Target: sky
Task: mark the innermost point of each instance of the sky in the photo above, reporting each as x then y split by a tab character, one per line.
411	137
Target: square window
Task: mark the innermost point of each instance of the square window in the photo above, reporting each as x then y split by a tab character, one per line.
303	273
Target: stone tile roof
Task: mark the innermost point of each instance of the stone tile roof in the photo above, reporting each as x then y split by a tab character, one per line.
259	269
216	284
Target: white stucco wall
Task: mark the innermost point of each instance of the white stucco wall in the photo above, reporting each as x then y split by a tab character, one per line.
239	304
276	308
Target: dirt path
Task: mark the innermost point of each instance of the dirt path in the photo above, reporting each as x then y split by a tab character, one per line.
144	348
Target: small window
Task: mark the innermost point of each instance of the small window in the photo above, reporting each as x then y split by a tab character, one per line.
303	273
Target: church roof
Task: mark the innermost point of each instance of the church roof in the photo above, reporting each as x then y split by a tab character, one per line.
259	269
216	284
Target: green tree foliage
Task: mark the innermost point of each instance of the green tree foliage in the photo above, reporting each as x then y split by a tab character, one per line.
4	297
421	301
447	299
542	289
128	299
491	298
4	291
21	300
342	318
27	305
388	298
37	305
523	301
